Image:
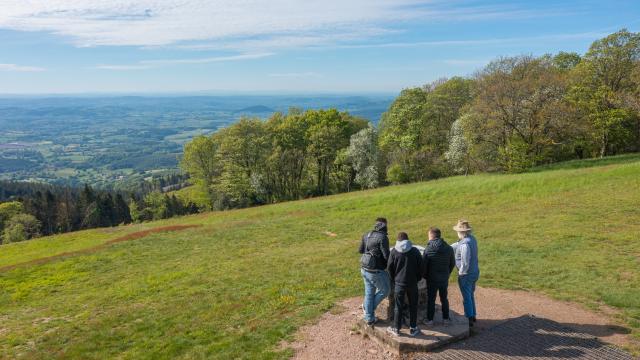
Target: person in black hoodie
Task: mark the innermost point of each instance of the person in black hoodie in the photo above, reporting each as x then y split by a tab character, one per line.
438	261
374	248
405	267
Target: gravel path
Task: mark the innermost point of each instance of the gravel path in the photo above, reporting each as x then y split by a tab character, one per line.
335	337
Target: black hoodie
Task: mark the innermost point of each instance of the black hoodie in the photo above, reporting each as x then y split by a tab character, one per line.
405	264
438	261
377	243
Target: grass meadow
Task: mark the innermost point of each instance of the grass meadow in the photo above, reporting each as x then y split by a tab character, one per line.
244	280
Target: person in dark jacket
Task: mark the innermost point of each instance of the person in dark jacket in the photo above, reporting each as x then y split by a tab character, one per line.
375	247
438	261
405	268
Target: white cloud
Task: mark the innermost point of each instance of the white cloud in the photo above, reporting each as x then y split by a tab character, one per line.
20	68
233	23
148	64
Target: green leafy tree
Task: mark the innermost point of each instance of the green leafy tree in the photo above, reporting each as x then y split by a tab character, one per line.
602	81
21	227
201	161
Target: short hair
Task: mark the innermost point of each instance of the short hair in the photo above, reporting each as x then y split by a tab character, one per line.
403	236
382	220
435	231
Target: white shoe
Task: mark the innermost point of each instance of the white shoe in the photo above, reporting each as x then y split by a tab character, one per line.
428	322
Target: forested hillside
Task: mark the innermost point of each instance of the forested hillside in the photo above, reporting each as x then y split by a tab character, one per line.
514	114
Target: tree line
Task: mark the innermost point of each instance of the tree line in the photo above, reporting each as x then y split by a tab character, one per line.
30	210
513	114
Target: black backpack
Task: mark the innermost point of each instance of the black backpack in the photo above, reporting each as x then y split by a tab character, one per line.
368	260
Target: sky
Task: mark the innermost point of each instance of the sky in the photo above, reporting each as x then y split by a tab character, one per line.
281	46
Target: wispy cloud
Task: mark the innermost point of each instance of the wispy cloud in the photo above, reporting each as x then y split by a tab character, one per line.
20	68
148	64
221	23
473	42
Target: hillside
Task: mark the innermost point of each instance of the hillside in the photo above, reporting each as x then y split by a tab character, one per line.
238	282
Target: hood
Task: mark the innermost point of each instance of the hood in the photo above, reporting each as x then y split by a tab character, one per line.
380	226
403	246
436	246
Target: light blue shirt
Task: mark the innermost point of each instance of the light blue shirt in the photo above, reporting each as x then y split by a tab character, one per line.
466	251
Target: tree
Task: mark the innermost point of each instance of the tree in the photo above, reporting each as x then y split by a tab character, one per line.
363	155
21	227
328	133
458	154
122	212
287	162
602	81
566	60
201	162
414	133
519	111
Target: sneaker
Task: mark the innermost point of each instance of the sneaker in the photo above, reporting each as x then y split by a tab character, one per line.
427	322
393	331
447	322
414	331
372	322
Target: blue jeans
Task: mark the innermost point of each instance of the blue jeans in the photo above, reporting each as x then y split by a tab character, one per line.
467	285
376	288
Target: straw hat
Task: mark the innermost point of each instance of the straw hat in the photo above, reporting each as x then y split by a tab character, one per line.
462	225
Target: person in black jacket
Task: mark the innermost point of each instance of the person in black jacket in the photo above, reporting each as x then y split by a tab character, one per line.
405	267
374	246
438	261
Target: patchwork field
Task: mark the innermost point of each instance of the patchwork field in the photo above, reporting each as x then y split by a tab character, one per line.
239	282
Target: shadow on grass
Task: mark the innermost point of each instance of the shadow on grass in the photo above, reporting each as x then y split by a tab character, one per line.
587	163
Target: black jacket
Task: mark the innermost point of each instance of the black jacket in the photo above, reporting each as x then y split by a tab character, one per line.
405	264
438	261
377	244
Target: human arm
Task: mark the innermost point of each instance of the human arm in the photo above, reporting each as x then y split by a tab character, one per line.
425	264
465	259
391	266
452	260
419	268
361	249
384	248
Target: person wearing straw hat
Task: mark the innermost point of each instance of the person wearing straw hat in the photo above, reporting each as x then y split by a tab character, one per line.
466	255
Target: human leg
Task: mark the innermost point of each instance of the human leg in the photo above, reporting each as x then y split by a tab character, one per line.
369	294
444	300
400	293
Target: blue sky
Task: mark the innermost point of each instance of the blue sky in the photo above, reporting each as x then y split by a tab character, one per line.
104	46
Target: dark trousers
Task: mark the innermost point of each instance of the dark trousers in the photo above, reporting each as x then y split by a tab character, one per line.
412	293
432	290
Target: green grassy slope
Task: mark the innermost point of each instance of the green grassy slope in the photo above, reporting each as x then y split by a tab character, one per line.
244	280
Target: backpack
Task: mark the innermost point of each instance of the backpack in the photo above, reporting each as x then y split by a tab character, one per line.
368	260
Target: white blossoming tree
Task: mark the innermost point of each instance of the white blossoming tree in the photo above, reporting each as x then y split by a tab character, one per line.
363	155
458	154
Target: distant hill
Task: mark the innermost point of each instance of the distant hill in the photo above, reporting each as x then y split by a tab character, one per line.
256	109
239	282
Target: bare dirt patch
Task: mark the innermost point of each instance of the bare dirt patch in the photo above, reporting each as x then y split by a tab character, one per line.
90	250
335	337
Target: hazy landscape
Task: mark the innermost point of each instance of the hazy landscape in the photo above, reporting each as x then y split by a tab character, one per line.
106	140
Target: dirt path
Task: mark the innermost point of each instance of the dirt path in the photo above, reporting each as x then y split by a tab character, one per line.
334	336
129	237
